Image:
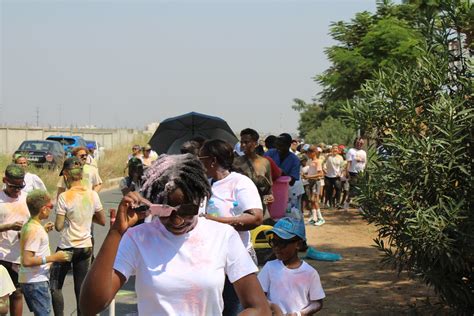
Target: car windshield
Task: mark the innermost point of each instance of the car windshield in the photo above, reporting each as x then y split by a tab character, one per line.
63	140
35	145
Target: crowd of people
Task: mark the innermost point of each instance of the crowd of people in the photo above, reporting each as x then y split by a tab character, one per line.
182	228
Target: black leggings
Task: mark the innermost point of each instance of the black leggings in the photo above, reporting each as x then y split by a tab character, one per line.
81	261
333	190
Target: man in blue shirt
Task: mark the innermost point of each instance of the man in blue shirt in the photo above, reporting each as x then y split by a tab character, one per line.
288	162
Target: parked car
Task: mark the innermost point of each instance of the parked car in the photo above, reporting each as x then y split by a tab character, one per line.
42	153
68	142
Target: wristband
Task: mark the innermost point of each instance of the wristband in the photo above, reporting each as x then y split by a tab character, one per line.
43	260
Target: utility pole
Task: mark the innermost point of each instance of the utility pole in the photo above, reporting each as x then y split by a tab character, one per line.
90	126
59	112
37	116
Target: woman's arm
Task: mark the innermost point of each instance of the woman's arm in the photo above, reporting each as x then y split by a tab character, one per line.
248	220
102	281
251	296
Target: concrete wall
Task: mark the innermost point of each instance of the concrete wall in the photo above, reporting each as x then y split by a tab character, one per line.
12	137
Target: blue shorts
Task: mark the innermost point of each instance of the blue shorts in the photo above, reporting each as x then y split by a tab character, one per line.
37	297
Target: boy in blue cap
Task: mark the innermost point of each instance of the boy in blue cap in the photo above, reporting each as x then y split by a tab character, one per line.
288	281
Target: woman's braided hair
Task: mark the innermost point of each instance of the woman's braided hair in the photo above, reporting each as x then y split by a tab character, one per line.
170	172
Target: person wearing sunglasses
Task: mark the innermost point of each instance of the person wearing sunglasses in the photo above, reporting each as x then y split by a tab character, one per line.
32	181
76	210
289	274
13	214
90	174
180	260
236	200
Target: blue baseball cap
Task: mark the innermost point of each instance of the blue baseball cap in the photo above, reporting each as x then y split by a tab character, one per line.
287	228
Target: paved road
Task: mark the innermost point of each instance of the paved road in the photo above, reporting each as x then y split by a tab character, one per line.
125	299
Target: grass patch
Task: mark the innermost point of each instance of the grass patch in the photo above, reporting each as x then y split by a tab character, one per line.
111	166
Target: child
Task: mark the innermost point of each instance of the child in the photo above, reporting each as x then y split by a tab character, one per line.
314	175
6	288
35	254
290	274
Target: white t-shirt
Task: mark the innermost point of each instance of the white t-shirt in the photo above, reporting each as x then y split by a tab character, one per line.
358	159
12	210
182	274
291	289
90	178
33	182
236	188
6	284
79	206
333	166
34	238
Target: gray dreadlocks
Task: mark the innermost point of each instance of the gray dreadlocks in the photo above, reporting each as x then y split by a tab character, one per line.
170	172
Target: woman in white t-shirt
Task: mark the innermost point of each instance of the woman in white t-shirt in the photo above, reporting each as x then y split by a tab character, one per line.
236	201
180	261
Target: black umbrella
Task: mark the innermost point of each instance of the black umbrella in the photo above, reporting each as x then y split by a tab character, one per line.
174	131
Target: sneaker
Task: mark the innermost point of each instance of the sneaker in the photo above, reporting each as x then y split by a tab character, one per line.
311	222
346	206
320	222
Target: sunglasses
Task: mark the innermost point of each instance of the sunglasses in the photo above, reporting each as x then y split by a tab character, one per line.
282	243
15	186
164	210
83	156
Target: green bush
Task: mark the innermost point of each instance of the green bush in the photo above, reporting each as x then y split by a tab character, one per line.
419	193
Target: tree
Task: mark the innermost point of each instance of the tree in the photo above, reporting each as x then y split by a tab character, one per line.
419	194
331	131
366	44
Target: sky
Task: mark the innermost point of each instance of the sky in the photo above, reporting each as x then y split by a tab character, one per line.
129	63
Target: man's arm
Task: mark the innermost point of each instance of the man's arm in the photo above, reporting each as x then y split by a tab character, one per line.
59	223
11	226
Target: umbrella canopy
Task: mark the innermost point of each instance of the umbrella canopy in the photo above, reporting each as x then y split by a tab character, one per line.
174	131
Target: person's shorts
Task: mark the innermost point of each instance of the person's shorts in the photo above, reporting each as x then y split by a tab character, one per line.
12	269
37	297
315	186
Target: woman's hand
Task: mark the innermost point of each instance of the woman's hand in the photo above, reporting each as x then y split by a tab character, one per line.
268	199
126	216
48	226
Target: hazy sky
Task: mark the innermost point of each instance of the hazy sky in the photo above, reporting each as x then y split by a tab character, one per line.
129	63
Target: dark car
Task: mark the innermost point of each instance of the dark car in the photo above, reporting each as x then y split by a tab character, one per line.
42	153
68	142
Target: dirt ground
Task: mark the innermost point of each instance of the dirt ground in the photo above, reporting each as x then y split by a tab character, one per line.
359	284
